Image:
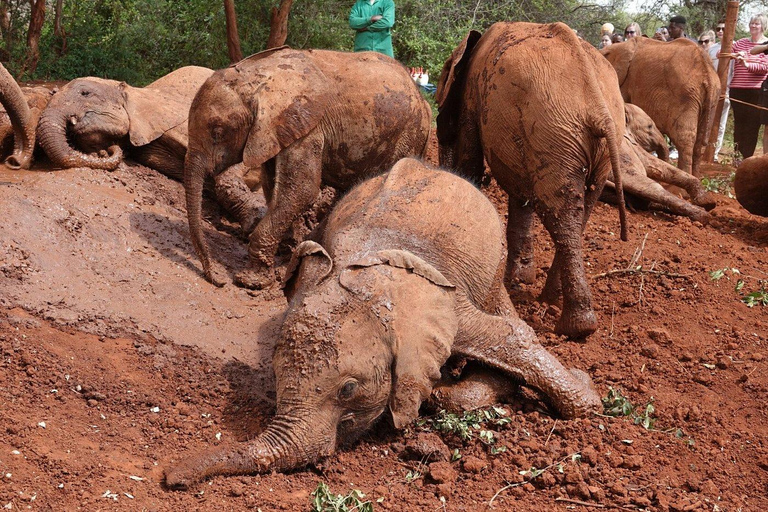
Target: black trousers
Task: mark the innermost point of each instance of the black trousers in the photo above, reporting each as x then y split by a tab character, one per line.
746	120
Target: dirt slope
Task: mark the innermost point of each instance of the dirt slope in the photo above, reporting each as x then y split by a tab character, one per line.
117	358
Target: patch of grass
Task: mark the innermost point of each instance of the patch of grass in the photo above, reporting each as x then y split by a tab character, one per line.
326	501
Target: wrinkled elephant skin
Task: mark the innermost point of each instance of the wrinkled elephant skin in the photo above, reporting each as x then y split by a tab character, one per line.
90	121
676	85
531	101
645	132
751	185
406	272
305	118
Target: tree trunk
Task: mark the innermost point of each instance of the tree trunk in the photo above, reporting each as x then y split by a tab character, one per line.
5	27
36	20
278	25
58	28
233	39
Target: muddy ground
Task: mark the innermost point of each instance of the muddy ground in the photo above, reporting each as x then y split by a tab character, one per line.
119	359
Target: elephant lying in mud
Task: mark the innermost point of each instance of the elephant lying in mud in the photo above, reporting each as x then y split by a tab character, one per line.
406	272
306	118
675	84
533	101
645	132
90	121
751	184
22	107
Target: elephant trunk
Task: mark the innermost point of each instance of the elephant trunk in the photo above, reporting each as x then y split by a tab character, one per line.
282	447
195	166
23	129
52	131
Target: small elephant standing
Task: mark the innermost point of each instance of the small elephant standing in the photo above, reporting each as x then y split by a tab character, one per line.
751	184
306	118
676	85
93	115
532	100
406	272
22	107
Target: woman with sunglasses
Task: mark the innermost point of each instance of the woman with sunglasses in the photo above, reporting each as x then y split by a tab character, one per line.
749	72
632	30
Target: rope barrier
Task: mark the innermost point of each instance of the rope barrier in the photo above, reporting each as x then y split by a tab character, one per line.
750	104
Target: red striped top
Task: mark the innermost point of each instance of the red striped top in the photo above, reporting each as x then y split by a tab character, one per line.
752	75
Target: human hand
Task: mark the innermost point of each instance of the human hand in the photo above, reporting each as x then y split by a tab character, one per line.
376	18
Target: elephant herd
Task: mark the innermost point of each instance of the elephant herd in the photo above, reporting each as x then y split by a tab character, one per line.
409	269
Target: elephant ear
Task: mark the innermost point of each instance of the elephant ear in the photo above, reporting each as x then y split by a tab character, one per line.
450	87
423	320
290	97
620	56
310	262
151	112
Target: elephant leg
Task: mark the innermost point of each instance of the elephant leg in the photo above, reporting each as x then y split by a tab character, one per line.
565	227
477	387
662	171
469	156
236	197
296	184
510	345
520	258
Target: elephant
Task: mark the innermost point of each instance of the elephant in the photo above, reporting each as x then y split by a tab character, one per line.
305	118
676	85
751	184
645	132
642	172
22	107
90	120
406	271
529	100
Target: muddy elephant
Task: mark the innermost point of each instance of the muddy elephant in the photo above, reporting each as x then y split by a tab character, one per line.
751	184
306	118
22	107
645	132
676	85
407	271
91	121
529	99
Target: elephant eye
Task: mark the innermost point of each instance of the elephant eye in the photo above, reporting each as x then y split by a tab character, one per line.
348	389
85	93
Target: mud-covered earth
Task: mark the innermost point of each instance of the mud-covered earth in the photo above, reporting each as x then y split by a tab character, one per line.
118	358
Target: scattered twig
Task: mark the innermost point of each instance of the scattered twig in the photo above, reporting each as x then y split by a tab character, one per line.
638	252
550	432
579	502
538	473
613	313
633	271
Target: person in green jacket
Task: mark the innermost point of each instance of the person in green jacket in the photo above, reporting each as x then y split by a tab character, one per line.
372	20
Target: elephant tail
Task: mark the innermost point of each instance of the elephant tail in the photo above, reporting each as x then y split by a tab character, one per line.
609	132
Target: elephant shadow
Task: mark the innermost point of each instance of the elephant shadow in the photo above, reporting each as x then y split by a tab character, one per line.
170	237
749	229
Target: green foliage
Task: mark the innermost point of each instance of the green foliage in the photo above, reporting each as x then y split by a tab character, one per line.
467	424
752	299
326	501
720	184
616	404
758	298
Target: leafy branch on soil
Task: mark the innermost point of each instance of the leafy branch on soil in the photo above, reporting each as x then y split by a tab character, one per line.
467	424
615	404
755	298
326	501
635	268
721	184
535	472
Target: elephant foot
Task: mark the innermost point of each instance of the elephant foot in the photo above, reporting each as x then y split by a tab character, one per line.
481	388
576	325
181	478
521	273
255	278
586	398
704	199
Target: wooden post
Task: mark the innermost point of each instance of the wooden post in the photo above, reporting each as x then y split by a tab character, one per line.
726	45
233	39
278	26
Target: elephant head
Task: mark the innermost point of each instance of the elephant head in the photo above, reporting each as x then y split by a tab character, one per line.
90	119
358	338
644	130
15	104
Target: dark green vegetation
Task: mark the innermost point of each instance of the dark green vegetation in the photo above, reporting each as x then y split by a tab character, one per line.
140	40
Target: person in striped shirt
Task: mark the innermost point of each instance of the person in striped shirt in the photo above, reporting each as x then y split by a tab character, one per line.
749	72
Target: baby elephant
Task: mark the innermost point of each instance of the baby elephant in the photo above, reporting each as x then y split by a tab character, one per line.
407	271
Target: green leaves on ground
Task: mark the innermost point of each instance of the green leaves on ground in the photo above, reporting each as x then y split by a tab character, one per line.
752	299
326	501
616	404
721	184
468	423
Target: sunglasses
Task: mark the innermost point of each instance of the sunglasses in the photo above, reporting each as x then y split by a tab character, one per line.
720	29
705	41
629	31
